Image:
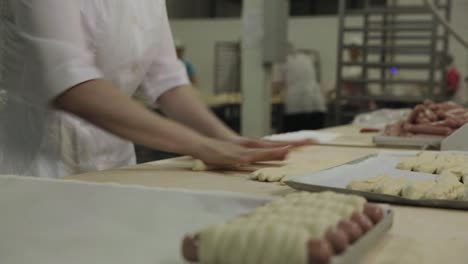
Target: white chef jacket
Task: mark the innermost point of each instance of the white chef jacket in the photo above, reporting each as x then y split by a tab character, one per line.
48	46
303	93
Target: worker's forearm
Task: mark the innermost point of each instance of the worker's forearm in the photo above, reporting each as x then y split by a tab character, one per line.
100	103
183	105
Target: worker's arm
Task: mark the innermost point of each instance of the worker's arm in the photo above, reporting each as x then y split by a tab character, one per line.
100	103
183	105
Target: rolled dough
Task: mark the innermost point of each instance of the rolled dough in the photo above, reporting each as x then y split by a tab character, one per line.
199	165
277	232
367	185
447	187
428	162
281	174
391	186
417	189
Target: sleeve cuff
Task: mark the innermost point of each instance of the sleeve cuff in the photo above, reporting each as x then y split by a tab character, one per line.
156	87
65	77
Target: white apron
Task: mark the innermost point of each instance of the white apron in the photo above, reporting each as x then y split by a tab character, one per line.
127	42
303	93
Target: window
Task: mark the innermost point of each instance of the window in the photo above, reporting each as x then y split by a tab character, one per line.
326	7
233	8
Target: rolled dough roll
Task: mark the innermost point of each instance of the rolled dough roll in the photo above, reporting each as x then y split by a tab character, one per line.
391	186
407	163
277	232
464	195
447	187
269	174
426	167
417	189
367	185
280	174
199	165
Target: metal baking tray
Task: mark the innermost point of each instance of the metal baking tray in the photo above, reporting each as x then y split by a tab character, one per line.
318	186
355	252
414	142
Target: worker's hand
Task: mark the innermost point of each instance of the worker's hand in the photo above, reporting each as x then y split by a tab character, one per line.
263	143
222	153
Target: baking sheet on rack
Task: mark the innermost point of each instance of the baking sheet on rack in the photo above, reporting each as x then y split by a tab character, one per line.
55	221
421	142
337	178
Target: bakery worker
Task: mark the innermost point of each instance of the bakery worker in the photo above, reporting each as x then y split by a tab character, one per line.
69	68
180	51
305	105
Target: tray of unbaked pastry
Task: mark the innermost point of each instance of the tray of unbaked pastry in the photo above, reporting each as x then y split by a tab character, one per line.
300	228
432	179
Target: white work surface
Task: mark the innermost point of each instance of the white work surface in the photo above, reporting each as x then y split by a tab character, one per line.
349	135
58	222
419	235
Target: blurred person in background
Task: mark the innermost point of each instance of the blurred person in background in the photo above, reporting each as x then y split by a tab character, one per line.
305	105
191	73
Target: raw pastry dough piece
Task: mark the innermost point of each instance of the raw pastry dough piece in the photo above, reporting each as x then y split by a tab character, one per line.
271	174
428	162
448	178
367	185
457	170
278	232
251	242
427	167
417	189
281	174
449	163
407	163
447	187
340	204
464	195
199	165
391	186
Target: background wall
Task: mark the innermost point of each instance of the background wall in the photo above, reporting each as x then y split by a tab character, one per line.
318	33
200	36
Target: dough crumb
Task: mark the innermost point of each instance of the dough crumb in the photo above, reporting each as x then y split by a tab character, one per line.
199	165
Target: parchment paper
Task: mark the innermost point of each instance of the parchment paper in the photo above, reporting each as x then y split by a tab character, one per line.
57	222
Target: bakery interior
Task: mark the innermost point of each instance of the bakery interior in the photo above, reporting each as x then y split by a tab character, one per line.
377	88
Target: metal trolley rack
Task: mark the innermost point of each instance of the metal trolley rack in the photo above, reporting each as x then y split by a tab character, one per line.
397	40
